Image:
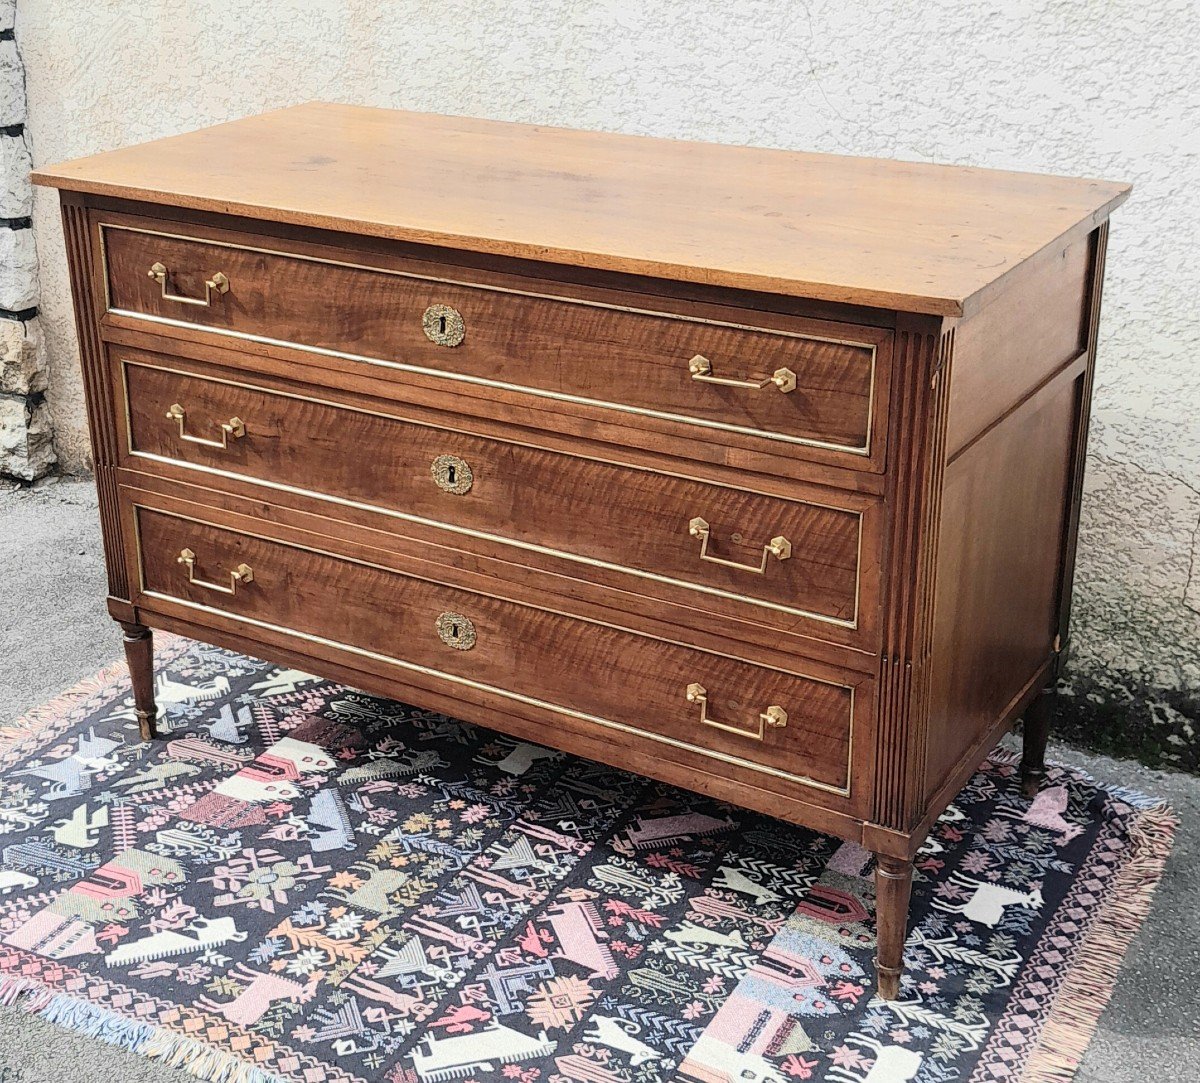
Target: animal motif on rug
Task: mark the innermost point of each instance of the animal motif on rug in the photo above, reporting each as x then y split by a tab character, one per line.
303	881
987	903
83	828
71	776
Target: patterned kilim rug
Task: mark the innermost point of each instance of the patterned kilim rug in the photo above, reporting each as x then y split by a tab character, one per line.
304	882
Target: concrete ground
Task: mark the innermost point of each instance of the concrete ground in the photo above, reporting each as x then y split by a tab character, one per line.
54	630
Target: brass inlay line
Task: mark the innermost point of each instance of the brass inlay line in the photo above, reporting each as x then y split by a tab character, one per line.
663	470
279	486
863	449
843	791
182	517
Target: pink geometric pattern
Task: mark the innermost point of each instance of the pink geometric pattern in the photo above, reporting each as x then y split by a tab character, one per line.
300	881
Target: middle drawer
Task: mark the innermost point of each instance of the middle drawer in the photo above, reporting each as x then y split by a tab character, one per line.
729	550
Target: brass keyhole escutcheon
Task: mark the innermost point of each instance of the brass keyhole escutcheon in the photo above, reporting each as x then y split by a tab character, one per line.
456	631
452	474
443	325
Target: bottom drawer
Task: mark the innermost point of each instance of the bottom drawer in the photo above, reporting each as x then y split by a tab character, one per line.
781	731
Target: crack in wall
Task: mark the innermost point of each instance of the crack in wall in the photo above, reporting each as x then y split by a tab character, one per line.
1109	460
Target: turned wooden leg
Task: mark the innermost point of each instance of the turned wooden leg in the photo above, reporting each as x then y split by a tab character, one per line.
893	885
1037	729
139	653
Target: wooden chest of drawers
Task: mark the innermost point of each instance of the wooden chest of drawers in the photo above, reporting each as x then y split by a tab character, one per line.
754	472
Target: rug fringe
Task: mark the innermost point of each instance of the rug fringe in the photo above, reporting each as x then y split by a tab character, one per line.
1065	1035
1089	985
36	719
144	1039
29	725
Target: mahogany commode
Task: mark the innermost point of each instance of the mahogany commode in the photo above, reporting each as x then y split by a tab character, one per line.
756	472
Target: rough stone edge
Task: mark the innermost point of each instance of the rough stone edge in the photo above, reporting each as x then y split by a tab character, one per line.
30	456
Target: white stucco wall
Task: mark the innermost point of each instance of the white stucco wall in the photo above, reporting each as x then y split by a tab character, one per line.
1091	87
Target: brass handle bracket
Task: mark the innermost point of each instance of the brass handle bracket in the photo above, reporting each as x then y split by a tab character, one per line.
243	573
778	547
233	429
701	369
774	717
218	285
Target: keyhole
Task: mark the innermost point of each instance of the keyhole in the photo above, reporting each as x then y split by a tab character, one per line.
442	325
456	631
450	473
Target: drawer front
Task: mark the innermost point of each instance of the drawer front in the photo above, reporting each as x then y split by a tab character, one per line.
818	391
721	548
782	728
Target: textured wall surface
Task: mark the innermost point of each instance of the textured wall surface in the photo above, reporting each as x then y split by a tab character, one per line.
26	448
1088	87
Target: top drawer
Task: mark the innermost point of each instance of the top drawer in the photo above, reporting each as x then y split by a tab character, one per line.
707	371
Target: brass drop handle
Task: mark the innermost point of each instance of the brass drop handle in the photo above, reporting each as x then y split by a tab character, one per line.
778	547
218	284
243	573
701	369
234	428
774	717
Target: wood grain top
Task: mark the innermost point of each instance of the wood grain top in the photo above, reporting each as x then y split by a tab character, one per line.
914	237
